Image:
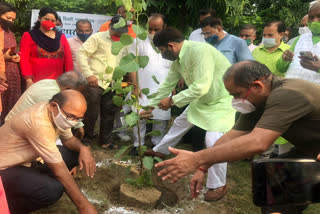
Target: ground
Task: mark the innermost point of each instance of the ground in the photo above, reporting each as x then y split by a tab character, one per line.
103	191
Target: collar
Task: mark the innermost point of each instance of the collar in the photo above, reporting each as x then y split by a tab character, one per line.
225	37
282	47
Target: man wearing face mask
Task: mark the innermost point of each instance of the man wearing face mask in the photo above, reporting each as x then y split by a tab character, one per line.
59	28
84	31
232	47
157	67
248	33
93	57
301	66
202	67
303	28
32	134
271	107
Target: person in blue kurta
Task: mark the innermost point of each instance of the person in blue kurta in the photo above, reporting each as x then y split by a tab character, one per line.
201	66
232	47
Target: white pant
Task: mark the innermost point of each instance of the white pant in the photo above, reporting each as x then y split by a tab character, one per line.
161	126
217	172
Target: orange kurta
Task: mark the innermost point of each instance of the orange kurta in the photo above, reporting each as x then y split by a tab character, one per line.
106	26
2	63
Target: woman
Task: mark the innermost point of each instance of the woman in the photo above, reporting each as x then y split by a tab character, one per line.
13	92
45	53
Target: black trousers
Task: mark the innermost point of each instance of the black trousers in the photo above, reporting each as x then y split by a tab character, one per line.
31	188
103	104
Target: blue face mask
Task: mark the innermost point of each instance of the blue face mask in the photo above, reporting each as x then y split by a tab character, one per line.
212	39
83	37
58	28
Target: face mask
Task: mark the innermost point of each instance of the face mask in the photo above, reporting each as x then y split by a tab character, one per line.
48	25
314	27
5	24
304	30
115	38
243	106
269	42
62	122
168	55
58	28
248	41
150	36
212	39
83	37
129	22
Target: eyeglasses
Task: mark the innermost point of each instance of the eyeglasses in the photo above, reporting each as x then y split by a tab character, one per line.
70	116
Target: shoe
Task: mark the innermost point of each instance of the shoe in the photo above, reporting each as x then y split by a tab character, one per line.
124	137
134	152
215	194
152	153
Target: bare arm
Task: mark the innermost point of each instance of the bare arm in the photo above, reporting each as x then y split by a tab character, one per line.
61	172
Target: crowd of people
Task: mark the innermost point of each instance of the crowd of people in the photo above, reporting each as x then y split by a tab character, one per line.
246	98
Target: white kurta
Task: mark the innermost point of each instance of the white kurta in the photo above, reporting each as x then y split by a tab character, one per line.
196	36
158	67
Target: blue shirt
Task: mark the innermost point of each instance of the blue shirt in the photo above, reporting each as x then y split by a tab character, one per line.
234	49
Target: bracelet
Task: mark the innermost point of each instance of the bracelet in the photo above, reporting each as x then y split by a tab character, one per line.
203	170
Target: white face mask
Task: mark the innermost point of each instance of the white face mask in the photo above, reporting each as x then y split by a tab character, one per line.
243	106
150	36
62	122
304	30
129	22
269	42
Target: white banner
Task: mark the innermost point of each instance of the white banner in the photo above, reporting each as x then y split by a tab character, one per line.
69	20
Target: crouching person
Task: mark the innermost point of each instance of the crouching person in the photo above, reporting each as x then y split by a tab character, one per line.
32	134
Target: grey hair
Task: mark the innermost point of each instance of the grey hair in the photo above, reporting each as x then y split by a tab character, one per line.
72	79
246	72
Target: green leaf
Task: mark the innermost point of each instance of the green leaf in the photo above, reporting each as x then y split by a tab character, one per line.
143	61
109	70
153	122
144	5
106	90
154	47
145	91
132	66
127	4
121	23
156	133
132	119
143	36
117	100
129	16
116	48
122	151
126	39
136	29
118	3
118	73
155	79
101	76
126	59
157	159
148	162
146	108
151	96
143	149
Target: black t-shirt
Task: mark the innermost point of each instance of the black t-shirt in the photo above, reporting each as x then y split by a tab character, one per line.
292	108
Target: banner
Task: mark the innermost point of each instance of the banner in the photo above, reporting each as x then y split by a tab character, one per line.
69	20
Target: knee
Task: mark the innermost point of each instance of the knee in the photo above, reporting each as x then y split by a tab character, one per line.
55	191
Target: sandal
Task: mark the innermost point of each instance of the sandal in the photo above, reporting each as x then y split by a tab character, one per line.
109	146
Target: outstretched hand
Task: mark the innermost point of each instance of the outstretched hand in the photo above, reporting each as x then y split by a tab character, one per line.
184	163
196	183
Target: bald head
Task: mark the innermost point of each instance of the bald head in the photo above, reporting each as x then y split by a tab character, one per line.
157	22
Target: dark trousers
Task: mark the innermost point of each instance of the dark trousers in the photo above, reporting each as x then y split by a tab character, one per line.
293	153
103	104
31	188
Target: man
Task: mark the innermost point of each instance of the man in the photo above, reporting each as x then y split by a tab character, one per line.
271	107
302	29
59	27
32	134
123	13
97	48
287	35
248	33
157	67
272	46
84	31
302	67
201	66
196	34
43	91
232	47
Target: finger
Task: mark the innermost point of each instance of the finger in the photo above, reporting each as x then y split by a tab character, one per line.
166	171
192	188
165	163
8	51
174	151
80	165
93	168
198	187
178	176
318	157
173	173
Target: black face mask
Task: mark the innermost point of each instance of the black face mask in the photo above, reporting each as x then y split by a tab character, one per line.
5	24
168	55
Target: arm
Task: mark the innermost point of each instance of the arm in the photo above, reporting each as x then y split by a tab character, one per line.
25	50
243	53
284	62
3	85
68	63
61	172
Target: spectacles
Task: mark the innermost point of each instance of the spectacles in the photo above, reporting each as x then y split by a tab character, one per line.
70	116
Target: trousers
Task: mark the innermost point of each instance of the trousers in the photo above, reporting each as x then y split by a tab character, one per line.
217	172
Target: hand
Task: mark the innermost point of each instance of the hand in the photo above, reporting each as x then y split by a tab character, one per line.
313	65
288	55
184	163
92	81
89	209
79	133
73	171
165	103
86	160
196	183
29	82
181	83
3	85
15	58
137	91
7	56
146	114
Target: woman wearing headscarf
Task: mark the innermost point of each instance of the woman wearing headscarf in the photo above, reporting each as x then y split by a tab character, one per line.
45	53
11	58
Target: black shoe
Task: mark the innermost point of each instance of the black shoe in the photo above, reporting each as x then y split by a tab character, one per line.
134	152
